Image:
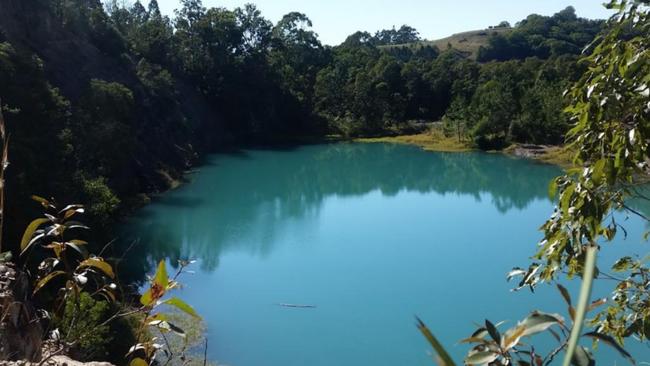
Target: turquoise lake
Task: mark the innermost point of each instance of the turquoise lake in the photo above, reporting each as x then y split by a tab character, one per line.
371	235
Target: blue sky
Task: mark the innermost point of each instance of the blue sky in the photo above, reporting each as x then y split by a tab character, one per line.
334	20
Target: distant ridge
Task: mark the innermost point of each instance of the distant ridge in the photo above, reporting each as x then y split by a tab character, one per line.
467	43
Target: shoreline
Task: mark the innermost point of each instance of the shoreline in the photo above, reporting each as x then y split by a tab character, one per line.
437	142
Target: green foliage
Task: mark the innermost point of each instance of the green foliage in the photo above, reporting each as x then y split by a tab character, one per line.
146	350
611	115
86	315
366	90
70	261
157	90
542	36
492	347
102	202
78	316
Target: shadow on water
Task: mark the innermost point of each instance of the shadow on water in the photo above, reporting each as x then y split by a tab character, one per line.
243	199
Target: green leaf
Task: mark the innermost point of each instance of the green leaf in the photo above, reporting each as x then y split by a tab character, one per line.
445	359
538	322
72	212
43	281
45	203
552	189
146	299
481	357
29	232
623	264
181	305
138	362
598	171
565	200
161	278
99	264
612	343
512	336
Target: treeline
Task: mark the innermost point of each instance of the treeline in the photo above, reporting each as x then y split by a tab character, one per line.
106	102
516	98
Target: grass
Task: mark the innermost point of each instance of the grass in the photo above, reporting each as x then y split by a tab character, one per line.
430	141
558	155
561	156
435	140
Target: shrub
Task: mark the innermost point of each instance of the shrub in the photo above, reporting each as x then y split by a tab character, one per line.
77	318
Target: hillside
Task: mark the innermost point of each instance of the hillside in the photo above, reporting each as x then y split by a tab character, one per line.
468	43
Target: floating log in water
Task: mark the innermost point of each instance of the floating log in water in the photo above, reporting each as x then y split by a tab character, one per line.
297	306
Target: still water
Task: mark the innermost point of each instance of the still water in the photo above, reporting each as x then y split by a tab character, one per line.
371	235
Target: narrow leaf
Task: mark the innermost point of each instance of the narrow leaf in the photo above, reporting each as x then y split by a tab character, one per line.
597	303
481	358
538	322
492	331
29	232
181	305
565	294
43	281
442	353
99	264
45	203
146	299
612	343
161	278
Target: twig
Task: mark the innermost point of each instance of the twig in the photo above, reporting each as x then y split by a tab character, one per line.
636	212
549	358
170	356
205	352
55	353
106	247
297	306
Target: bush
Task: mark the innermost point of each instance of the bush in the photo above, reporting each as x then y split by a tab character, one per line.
102	202
80	315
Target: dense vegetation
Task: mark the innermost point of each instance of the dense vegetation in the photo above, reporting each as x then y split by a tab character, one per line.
610	108
107	103
125	98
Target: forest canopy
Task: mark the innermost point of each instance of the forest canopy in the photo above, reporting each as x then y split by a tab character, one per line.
125	98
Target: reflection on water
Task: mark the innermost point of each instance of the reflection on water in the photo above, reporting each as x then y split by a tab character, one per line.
370	233
249	196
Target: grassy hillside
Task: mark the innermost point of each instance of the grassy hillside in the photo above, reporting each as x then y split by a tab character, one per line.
467	43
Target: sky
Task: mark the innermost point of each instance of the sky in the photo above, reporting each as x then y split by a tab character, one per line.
334	20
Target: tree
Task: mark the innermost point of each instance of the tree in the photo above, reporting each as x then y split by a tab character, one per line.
405	34
297	55
256	30
153	10
609	106
190	13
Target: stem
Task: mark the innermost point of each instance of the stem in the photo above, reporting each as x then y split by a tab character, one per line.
5	149
583	302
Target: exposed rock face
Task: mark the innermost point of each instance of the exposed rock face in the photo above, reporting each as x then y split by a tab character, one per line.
21	334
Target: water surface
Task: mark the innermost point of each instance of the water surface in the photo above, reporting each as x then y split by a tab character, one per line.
371	234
